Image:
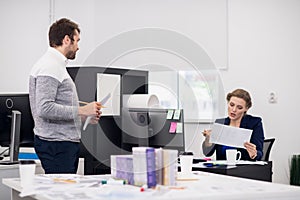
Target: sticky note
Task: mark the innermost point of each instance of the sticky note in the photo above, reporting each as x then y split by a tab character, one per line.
176	114
179	128
170	114
173	127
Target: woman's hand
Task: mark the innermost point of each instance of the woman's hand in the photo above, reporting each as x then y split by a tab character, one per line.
251	148
206	134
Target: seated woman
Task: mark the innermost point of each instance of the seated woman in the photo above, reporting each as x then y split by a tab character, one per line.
239	101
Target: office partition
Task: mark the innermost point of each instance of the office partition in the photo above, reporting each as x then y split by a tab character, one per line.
100	141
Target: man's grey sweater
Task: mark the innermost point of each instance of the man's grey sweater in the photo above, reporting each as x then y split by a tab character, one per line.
53	99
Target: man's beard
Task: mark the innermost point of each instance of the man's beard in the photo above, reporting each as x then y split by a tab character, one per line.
71	55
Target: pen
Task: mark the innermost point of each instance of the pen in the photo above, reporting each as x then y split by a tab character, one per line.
176	188
143	188
212	164
208	164
160	187
113	182
85	103
62	180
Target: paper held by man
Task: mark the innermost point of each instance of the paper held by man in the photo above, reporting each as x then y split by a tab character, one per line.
229	136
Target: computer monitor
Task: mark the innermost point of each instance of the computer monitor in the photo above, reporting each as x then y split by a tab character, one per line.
151	127
17	102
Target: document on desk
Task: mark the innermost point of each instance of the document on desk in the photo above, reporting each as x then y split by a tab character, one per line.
229	136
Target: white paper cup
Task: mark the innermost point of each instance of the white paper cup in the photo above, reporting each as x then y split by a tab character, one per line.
27	172
232	156
186	164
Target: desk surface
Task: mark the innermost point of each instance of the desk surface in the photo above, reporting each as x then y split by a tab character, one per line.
251	171
207	185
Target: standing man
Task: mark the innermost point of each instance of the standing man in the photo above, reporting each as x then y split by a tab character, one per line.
54	102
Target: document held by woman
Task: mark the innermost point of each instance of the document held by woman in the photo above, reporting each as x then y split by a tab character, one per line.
229	136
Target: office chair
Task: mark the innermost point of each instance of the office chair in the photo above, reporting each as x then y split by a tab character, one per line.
268	143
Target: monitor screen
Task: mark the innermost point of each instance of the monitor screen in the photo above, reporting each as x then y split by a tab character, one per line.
153	128
19	102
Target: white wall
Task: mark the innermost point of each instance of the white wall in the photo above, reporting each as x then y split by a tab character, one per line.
23	40
264	40
264	46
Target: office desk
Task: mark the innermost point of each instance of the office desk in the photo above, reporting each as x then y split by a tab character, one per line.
207	186
12	171
256	172
7	171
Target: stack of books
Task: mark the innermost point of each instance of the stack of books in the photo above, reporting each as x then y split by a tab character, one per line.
122	168
169	169
146	166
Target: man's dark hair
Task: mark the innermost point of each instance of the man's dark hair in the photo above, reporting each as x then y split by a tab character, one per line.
60	29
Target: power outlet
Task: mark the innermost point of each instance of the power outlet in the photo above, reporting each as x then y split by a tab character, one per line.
273	97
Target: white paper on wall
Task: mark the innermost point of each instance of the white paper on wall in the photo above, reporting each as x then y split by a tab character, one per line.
109	84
